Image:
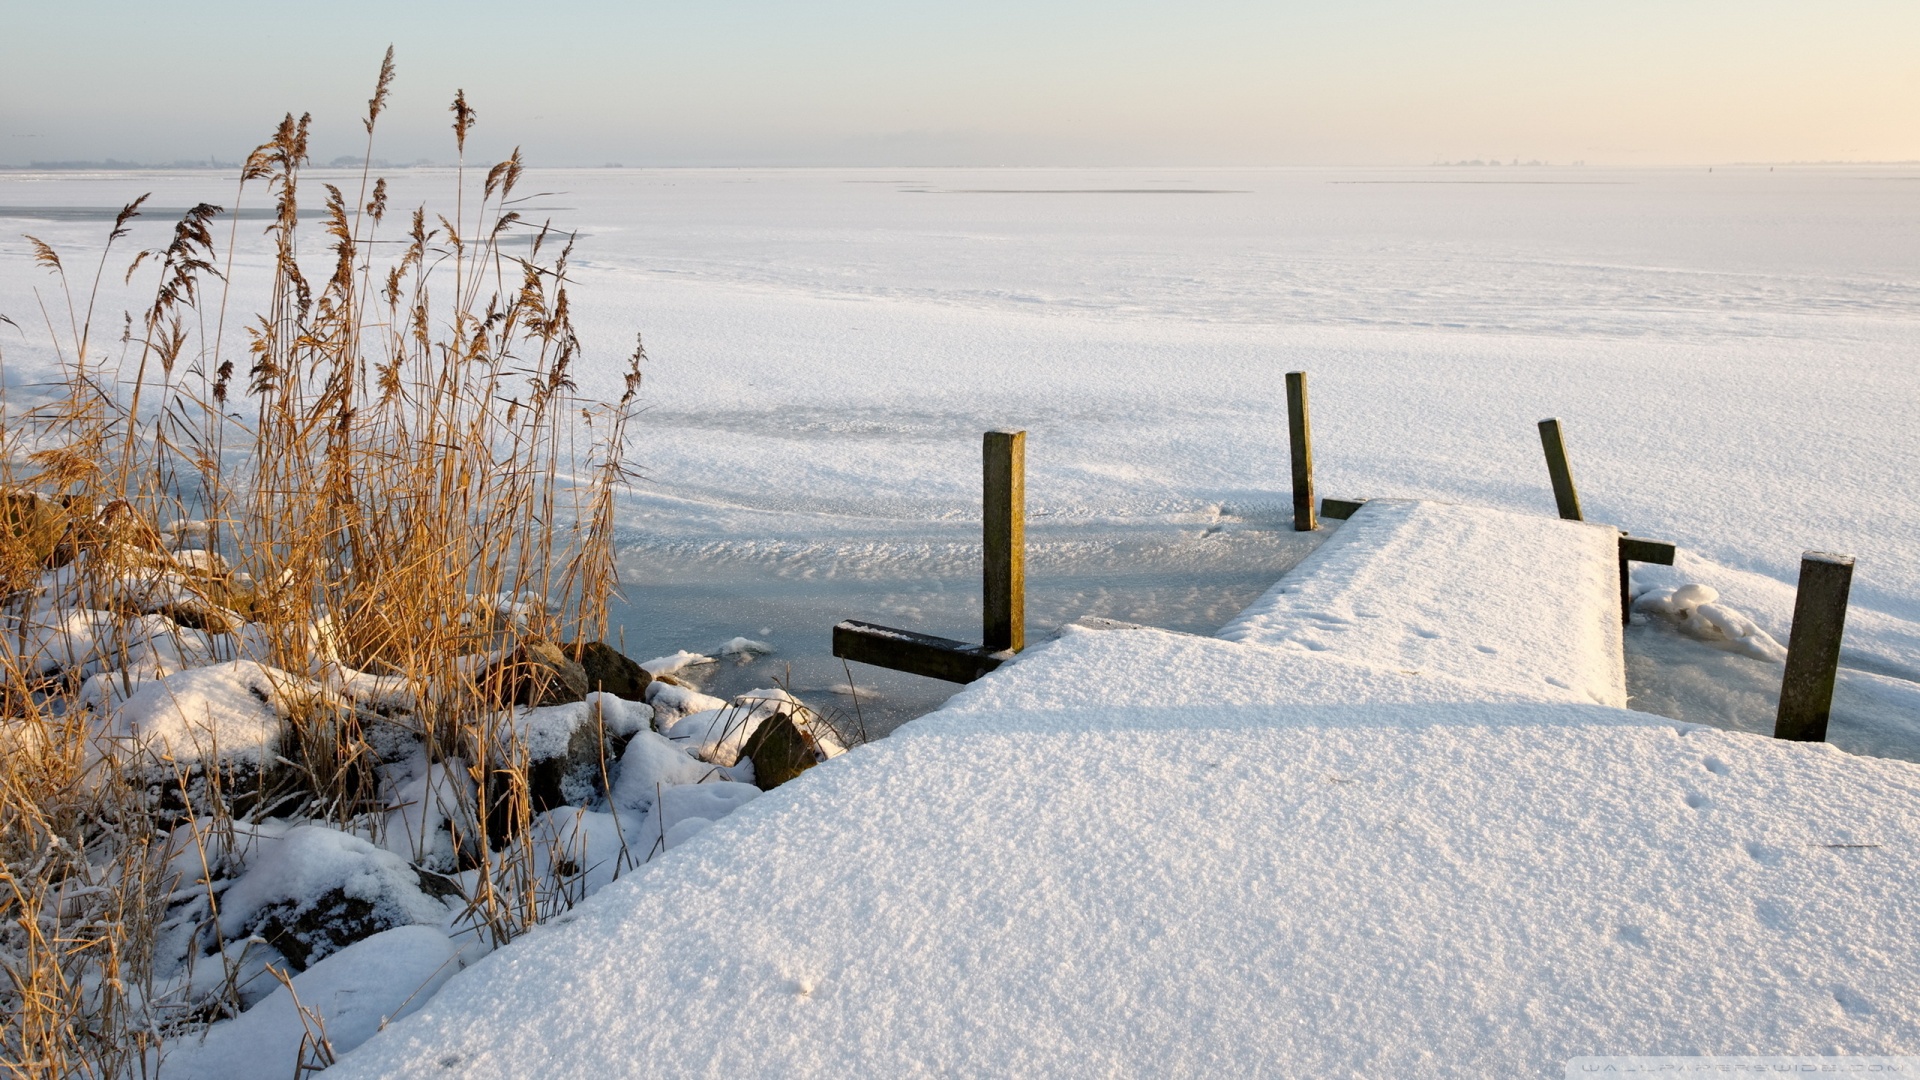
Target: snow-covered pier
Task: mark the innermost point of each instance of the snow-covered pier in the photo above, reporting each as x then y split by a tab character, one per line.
1522	602
1393	821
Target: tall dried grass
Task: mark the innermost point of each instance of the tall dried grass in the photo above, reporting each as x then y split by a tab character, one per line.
398	475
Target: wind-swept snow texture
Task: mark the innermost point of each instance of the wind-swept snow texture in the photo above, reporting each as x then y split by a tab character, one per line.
1139	853
1514	600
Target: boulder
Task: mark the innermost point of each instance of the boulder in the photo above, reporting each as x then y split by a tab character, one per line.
569	773
537	672
308	932
34	525
609	671
312	891
780	750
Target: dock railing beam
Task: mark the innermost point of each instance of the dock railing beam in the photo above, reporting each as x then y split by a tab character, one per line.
1813	647
1300	443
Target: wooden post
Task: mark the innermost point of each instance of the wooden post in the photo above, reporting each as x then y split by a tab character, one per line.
1559	471
1003	606
1813	647
1300	438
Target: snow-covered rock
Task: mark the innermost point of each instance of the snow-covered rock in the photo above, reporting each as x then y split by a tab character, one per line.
1695	610
719	734
652	762
671	702
667	665
234	711
315	890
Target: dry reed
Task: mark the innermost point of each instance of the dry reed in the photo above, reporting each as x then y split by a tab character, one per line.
396	476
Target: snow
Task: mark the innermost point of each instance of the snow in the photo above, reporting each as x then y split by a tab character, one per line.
309	861
667	665
742	646
1495	597
1408	851
351	993
232	711
1135	852
650	762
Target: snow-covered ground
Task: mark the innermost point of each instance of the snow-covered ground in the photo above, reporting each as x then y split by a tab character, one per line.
1733	352
1137	853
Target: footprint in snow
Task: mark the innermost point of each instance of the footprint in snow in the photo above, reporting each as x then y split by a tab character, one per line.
1631	935
1851	1002
1717	767
1764	855
1699	801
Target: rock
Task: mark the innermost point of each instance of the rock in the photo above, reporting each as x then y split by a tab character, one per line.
780	751
609	671
34	526
574	775
569	753
307	933
312	891
536	673
197	614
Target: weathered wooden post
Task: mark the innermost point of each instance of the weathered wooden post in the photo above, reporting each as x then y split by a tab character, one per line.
1813	647
1300	439
1003	607
1559	471
1003	601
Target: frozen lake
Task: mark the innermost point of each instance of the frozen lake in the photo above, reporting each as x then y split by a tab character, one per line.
1734	353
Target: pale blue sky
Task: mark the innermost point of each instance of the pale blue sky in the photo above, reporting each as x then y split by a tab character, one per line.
983	82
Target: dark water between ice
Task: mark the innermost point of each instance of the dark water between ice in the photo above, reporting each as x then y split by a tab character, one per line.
697	596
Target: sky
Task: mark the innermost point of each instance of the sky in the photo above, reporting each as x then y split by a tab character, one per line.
980	82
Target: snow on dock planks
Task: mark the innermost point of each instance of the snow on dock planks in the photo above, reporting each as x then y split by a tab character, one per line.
1510	600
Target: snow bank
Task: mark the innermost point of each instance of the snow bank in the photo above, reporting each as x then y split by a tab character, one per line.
1143	853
